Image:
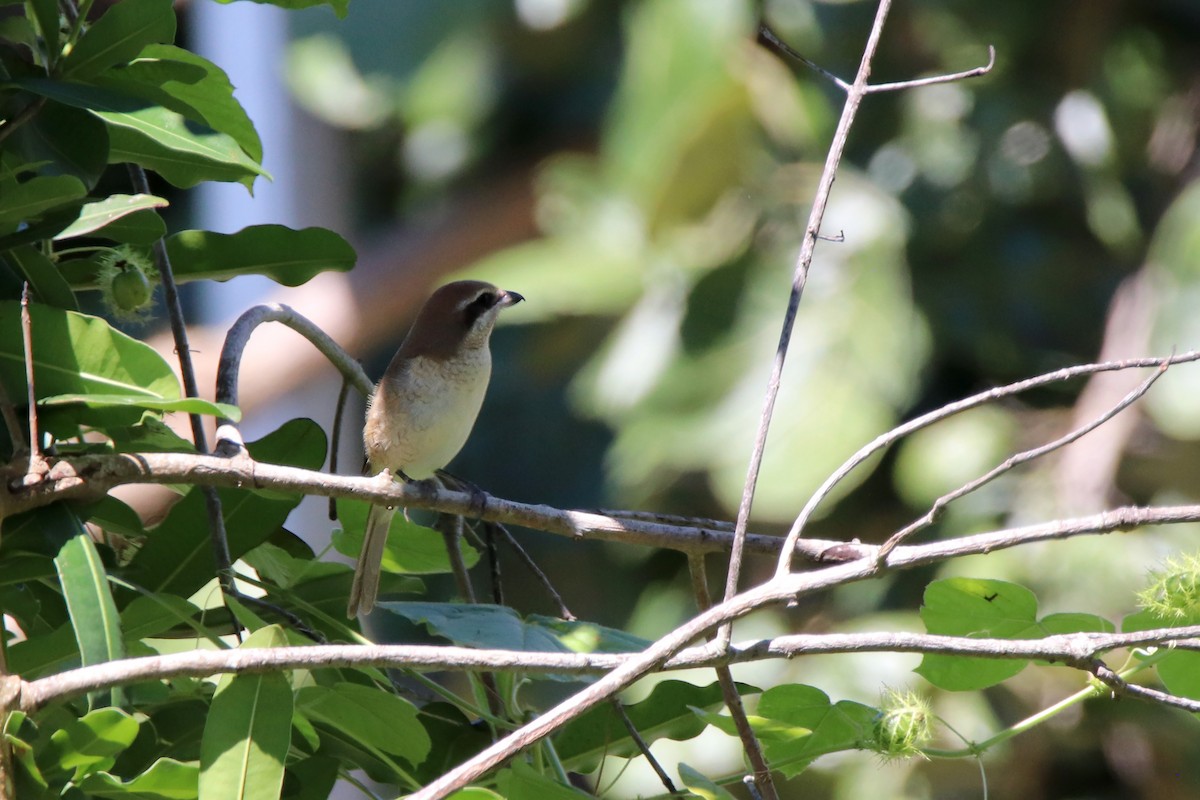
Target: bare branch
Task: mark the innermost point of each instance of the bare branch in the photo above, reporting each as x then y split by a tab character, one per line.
760	779
1012	462
37	462
854	98
1073	649
950	409
974	72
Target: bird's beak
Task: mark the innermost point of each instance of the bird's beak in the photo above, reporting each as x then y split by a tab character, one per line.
511	298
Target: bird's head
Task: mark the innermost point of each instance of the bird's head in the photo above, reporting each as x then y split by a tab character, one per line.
458	316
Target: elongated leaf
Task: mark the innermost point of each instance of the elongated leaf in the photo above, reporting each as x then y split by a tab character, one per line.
91	742
376	720
93	613
189	84
80	354
49	286
177	558
71	140
94	216
182	152
166	779
700	785
25	201
288	256
46	14
187	405
119	35
247	732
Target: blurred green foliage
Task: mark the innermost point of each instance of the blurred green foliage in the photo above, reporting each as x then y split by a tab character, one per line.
977	233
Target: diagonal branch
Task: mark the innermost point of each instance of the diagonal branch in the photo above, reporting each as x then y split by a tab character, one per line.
950	409
1013	462
854	98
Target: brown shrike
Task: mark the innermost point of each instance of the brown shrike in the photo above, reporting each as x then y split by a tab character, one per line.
425	405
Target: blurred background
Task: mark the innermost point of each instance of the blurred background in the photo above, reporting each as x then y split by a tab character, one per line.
642	173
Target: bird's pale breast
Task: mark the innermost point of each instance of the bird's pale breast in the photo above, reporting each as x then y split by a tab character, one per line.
424	419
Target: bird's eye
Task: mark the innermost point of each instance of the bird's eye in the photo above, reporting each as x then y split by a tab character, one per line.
474	309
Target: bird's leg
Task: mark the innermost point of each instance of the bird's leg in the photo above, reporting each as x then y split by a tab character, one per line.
478	496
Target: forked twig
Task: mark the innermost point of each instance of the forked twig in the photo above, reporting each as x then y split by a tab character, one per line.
1012	462
854	98
950	409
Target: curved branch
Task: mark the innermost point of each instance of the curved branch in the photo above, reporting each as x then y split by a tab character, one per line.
950	409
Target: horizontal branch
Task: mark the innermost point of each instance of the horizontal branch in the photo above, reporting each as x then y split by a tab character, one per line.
1071	649
90	477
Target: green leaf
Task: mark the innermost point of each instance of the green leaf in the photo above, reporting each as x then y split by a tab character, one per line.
186	405
80	354
701	786
46	14
22	202
177	557
476	625
93	613
247	733
522	782
189	84
182	152
92	742
290	257
376	720
140	227
49	286
71	140
411	549
340	7
102	213
982	608
1179	671
820	727
119	35
166	779
666	713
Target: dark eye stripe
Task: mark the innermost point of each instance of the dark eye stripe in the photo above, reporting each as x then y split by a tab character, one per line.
478	306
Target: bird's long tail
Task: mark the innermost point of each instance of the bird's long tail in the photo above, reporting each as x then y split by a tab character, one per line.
366	571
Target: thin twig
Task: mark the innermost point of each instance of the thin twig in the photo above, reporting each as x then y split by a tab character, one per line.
37	462
541	577
335	436
788	50
950	409
9	127
854	98
489	540
212	500
952	77
644	748
1011	463
760	778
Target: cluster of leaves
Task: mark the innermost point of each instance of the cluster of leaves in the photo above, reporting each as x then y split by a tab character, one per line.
84	585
